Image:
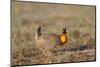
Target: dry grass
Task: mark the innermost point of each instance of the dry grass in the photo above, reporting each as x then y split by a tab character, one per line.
80	24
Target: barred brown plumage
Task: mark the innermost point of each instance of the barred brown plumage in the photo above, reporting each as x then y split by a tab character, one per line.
49	41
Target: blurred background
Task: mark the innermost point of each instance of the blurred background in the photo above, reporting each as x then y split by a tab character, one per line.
77	19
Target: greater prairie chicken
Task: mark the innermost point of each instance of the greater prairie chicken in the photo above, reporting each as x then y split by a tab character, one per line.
49	41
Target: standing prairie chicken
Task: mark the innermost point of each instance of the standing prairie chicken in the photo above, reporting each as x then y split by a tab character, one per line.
49	41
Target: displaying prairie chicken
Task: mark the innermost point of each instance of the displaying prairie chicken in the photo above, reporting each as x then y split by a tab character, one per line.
49	41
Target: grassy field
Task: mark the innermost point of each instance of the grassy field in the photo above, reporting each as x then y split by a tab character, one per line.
78	20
